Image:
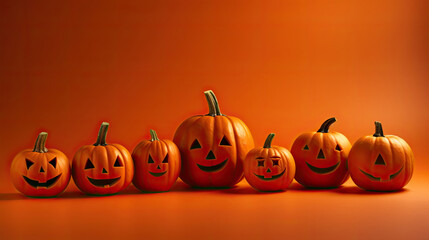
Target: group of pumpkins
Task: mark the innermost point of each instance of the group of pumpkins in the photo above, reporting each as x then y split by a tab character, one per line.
216	150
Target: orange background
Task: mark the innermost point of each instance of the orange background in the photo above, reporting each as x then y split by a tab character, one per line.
280	66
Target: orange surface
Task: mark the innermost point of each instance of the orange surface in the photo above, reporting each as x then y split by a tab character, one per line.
280	66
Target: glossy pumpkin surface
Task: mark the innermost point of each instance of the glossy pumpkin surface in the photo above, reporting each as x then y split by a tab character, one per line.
321	157
213	147
40	172
381	163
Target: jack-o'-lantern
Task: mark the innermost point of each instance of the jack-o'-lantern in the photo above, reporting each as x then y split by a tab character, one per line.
321	157
213	147
381	163
156	163
101	168
40	172
270	168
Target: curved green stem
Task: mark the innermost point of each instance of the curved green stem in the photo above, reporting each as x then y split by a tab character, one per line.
102	133
378	130
214	109
326	124
269	140
153	135
40	143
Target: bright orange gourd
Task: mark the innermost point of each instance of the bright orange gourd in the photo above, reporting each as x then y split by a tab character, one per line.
102	168
381	163
157	164
270	168
213	147
40	172
321	157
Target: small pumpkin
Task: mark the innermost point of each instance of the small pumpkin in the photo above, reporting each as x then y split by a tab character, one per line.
270	168
102	168
157	164
321	157
40	172
212	147
381	163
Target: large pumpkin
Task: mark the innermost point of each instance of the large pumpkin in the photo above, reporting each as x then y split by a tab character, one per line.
157	164
381	163
40	172
321	157
270	168
102	168
213	147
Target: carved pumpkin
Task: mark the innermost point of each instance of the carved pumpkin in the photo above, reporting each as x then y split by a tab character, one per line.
40	172
157	164
270	168
102	168
212	147
381	163
321	157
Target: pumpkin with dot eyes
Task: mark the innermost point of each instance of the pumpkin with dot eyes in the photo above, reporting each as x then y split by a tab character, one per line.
270	168
156	163
101	168
381	163
40	172
321	157
212	147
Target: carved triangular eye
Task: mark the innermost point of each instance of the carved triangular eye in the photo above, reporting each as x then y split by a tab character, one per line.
306	147
118	163
224	142
195	144
28	163
338	148
165	159
53	162
380	160
150	160
89	164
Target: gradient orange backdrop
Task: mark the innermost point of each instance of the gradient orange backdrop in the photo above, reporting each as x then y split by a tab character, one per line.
280	66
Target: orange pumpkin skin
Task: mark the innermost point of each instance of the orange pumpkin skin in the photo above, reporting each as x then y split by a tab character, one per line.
381	163
321	157
40	172
157	164
270	168
212	147
102	169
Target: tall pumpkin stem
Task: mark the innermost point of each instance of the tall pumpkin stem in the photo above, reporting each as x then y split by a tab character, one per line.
378	130
269	140
102	133
40	143
214	109
153	135
326	124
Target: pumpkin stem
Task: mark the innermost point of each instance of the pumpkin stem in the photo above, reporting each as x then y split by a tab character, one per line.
269	140
153	135
102	133
326	124
378	130
214	109
40	143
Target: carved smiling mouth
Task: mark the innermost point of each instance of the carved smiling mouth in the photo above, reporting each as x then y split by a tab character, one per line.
272	177
37	184
378	179
157	174
103	182
213	168
323	170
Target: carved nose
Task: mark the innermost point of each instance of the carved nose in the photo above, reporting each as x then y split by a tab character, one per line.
268	170
158	167
380	160
210	155
41	169
321	155
104	170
